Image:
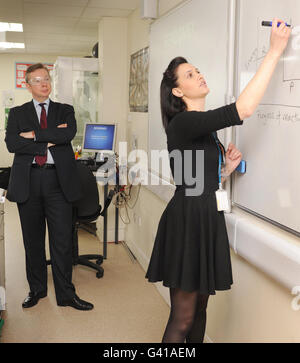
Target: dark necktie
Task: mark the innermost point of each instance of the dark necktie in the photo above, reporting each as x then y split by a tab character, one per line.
41	160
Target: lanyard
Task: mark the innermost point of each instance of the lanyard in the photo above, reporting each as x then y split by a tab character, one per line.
220	159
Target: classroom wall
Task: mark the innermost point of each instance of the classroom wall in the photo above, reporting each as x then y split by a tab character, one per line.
113	85
113	91
257	308
145	216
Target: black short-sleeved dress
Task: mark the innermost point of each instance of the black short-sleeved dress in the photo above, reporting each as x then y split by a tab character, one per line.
191	249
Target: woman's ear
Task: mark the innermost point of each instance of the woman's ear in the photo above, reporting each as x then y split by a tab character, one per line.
177	92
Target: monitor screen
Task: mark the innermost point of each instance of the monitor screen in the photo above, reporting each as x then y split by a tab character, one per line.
98	137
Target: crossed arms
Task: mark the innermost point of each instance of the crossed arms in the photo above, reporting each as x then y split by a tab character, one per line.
36	143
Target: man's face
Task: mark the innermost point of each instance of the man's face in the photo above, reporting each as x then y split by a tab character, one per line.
39	84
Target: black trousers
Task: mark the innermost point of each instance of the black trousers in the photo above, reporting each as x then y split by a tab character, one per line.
47	203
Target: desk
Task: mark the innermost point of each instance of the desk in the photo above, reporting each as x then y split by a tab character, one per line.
105	219
105	177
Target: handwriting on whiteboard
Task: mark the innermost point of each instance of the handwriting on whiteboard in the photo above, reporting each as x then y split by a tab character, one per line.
259	53
296	40
278	116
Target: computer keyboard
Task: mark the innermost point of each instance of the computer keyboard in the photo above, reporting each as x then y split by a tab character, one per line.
91	163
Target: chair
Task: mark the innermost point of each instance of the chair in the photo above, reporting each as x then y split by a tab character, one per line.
85	212
4	177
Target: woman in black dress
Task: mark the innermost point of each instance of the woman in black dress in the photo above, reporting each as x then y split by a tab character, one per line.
191	253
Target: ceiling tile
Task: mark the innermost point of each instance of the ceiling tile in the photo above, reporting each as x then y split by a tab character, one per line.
48	50
50	20
49	10
114	4
85	33
44	47
42	43
79	47
12	51
63	27
32	36
47	29
11	4
97	13
10	13
88	22
82	38
59	2
85	27
14	37
11	19
84	44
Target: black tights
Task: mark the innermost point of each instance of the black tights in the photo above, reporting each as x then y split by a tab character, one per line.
187	317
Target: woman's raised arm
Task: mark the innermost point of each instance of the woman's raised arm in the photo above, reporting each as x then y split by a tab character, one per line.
256	88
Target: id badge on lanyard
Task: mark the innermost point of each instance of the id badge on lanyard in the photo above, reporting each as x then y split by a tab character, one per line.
221	194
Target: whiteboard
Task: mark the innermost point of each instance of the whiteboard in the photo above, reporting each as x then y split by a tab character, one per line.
269	140
197	31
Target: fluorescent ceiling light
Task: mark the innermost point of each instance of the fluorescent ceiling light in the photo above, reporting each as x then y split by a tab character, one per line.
9	45
11	27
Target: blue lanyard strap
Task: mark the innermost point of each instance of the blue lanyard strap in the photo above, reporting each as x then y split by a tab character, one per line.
220	158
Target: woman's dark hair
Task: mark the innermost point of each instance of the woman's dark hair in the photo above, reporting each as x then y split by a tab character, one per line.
170	105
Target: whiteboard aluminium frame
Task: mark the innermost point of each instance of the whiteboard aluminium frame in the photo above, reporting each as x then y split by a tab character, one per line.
231	71
166	190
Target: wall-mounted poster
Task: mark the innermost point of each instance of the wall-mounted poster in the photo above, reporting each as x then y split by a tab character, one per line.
138	83
8	99
21	70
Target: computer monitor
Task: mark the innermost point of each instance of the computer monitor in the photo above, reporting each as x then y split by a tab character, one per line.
99	138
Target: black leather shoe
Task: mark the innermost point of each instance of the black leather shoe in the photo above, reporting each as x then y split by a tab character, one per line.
32	299
77	303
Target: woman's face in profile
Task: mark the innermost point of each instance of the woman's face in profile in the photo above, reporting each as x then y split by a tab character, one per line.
191	83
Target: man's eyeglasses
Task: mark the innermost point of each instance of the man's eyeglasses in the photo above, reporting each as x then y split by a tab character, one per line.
39	80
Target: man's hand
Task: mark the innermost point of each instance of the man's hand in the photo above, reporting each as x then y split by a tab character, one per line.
61	126
31	134
27	135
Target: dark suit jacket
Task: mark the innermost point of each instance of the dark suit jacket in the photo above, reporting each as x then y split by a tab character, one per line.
24	118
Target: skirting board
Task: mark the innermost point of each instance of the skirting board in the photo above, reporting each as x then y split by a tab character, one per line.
277	253
144	262
110	233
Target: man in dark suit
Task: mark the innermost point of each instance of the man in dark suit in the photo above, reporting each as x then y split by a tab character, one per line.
44	184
